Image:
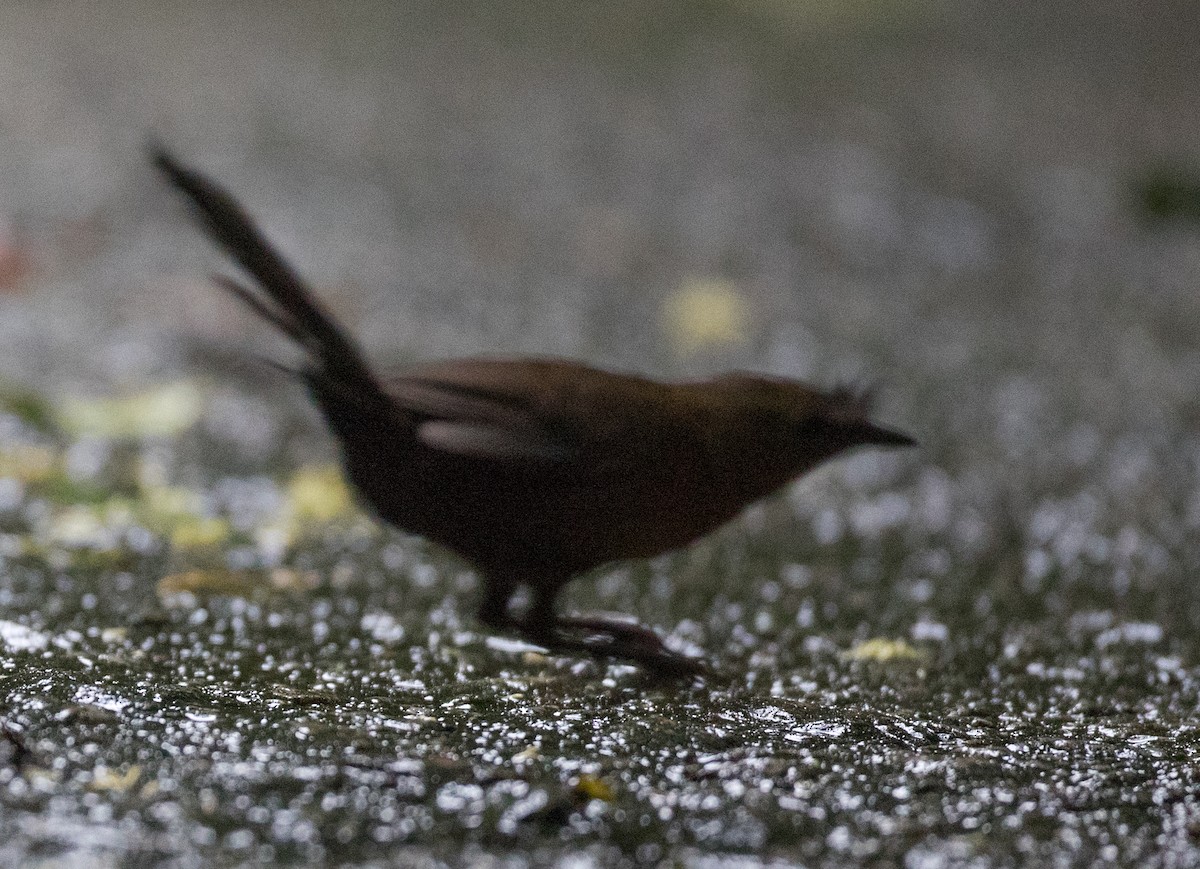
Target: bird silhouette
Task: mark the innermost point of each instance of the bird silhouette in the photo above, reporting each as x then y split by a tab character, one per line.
536	470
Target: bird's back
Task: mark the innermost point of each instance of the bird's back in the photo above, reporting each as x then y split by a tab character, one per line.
542	465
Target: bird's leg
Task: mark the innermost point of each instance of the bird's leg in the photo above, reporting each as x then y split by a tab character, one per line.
539	622
493	609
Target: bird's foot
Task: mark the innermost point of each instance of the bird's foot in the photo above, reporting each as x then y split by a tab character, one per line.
615	630
609	638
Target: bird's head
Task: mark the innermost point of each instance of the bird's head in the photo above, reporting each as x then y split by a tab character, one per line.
796	425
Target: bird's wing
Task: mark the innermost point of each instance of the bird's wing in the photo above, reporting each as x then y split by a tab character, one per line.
479	423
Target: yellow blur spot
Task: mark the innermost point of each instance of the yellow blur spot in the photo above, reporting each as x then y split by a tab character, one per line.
28	463
705	312
159	412
210	582
290	579
529	753
223	582
77	526
164	505
592	788
105	779
179	513
200	532
319	493
883	651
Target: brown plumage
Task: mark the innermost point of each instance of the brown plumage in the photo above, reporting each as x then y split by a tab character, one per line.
536	470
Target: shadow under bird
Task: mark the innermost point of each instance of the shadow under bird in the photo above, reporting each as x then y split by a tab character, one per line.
536	470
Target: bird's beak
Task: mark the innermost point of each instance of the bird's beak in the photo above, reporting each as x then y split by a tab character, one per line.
869	433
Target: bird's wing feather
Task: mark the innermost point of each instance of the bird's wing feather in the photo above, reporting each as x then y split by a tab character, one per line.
479	423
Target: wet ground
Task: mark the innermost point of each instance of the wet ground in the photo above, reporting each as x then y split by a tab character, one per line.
984	652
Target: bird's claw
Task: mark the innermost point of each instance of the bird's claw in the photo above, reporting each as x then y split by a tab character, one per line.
605	638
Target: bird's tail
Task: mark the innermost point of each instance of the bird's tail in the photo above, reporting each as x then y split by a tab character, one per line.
284	301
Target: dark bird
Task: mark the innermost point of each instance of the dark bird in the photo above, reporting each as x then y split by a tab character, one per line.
536	470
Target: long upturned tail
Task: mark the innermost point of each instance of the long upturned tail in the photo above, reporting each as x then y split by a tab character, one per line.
285	301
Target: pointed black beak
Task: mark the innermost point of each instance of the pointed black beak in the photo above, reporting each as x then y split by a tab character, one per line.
869	433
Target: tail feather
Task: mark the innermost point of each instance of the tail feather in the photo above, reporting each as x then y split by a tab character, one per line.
275	317
289	304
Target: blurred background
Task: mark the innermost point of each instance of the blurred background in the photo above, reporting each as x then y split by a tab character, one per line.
903	189
991	210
